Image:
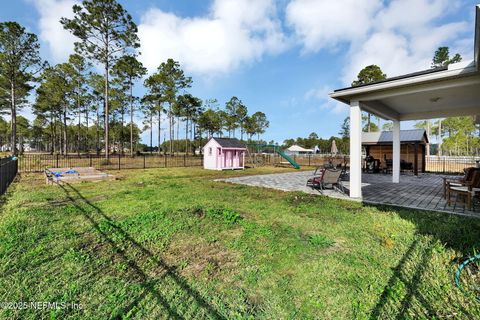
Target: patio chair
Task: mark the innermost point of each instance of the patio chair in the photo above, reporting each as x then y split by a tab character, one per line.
387	166
328	177
317	175
468	190
468	174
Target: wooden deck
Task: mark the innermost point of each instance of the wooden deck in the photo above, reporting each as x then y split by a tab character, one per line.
423	192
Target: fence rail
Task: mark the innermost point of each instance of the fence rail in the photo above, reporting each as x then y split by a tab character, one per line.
433	164
8	171
445	164
38	162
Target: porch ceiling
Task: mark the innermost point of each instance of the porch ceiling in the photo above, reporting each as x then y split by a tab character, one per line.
455	97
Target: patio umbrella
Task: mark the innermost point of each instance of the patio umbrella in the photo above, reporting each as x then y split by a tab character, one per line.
334	149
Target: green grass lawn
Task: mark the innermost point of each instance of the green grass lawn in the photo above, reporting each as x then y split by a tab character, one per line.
172	243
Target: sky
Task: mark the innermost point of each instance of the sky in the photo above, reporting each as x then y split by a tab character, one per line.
280	57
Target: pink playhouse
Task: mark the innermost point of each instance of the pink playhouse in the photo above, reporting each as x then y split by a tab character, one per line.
224	154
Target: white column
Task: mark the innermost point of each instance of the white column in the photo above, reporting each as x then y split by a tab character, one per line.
355	150
396	152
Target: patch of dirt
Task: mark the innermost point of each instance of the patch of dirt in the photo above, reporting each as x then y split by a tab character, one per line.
199	258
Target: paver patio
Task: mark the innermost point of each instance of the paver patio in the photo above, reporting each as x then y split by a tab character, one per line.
423	192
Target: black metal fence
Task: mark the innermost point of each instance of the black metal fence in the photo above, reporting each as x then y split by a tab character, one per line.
8	171
38	162
433	164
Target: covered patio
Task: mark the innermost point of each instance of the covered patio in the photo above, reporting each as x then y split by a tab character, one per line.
434	93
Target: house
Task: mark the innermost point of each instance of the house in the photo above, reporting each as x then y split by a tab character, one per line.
447	91
224	154
379	145
295	149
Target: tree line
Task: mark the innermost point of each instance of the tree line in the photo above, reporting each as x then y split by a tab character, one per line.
79	110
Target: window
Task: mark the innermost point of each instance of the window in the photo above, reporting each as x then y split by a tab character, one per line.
209	151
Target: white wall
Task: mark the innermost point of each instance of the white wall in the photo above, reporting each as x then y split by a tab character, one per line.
210	159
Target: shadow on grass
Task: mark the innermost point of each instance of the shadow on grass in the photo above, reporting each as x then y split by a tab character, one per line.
402	292
174	281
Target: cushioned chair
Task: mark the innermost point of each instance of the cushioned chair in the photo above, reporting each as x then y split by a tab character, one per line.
326	177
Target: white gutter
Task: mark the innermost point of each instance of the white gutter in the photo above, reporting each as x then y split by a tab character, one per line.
437	76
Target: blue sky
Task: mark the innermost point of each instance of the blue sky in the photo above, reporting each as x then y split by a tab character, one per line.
279	57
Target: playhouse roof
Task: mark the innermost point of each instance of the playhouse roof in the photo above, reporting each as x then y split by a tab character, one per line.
386	137
231	143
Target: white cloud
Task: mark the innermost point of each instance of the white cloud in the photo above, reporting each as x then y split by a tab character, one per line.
403	43
325	23
58	40
319	96
400	36
234	33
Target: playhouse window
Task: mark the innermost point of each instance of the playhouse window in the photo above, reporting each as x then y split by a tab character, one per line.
209	151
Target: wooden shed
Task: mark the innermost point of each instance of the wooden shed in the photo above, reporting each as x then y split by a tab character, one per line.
379	145
224	153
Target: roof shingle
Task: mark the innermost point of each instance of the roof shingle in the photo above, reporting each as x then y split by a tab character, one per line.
229	143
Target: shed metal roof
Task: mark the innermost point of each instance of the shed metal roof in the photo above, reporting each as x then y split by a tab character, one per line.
386	137
229	143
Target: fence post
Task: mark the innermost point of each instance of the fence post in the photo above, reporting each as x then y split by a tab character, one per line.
165	160
309	159
90	159
56	163
184	160
144	161
1	176
119	161
444	160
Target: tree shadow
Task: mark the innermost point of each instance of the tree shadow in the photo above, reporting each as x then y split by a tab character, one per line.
111	233
459	233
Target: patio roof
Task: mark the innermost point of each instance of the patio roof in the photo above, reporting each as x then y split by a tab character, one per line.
441	92
444	92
